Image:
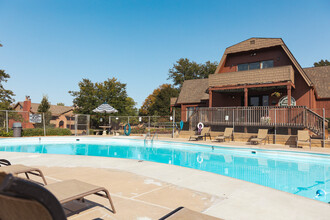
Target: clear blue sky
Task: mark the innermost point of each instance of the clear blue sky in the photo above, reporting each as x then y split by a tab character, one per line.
49	46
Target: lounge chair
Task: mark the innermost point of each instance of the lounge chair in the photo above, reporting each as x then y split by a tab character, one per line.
303	138
64	191
262	136
22	199
5	166
205	133
69	190
227	134
182	213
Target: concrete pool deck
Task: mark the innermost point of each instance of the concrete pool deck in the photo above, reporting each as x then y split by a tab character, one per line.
147	190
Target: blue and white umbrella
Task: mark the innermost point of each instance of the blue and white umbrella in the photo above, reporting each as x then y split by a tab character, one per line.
105	108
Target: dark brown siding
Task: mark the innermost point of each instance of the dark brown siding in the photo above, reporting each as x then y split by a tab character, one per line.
302	93
276	53
185	106
323	103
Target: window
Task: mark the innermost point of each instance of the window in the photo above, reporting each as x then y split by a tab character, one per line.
253	66
254	101
267	64
242	67
262	100
284	101
256	65
265	100
248	66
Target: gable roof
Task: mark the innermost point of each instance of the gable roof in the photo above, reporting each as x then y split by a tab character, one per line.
320	77
193	91
255	43
54	109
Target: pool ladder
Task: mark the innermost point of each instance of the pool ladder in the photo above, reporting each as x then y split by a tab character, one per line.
151	138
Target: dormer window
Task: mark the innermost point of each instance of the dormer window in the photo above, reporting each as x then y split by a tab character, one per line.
256	65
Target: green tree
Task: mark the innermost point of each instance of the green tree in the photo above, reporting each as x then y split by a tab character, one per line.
44	108
322	63
184	69
91	95
60	104
5	94
158	103
44	105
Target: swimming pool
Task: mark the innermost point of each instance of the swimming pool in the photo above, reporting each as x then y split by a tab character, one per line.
299	173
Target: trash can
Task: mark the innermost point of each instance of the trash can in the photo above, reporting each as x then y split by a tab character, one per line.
17	129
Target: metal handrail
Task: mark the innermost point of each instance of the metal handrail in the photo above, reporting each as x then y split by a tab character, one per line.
152	139
147	135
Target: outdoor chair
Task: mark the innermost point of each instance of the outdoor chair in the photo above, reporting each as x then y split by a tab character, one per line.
5	166
227	134
183	213
22	199
262	136
205	133
66	191
69	190
303	138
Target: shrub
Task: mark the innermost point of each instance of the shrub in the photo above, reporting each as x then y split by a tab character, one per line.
136	130
4	133
58	131
49	131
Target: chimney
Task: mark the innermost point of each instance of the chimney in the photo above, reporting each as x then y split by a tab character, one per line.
27	104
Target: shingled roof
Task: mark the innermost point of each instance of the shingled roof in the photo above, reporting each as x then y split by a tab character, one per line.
54	109
256	43
193	91
320	77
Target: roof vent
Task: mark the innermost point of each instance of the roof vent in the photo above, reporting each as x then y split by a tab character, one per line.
252	41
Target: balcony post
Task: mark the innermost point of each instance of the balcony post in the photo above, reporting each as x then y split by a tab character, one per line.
210	98
288	87
245	96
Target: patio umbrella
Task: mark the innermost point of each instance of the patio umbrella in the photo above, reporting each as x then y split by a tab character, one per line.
105	108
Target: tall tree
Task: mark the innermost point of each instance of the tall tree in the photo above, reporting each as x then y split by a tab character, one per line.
44	108
44	105
148	103
91	95
322	63
158	103
184	69
6	95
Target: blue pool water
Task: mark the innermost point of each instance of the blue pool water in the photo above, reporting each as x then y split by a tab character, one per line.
298	173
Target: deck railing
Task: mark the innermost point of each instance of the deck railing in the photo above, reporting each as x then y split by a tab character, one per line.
290	116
